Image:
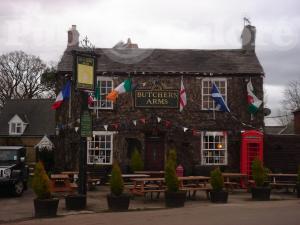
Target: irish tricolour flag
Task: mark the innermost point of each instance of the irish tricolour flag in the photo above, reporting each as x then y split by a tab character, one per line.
253	102
125	86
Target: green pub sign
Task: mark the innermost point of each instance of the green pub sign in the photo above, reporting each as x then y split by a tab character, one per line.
86	124
156	99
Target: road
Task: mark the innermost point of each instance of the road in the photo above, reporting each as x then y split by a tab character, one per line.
285	212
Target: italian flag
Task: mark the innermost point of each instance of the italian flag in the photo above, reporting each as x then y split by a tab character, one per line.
125	86
253	102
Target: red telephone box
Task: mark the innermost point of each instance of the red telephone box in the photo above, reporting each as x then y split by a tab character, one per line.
251	147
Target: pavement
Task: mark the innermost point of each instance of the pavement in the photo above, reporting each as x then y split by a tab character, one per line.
283	209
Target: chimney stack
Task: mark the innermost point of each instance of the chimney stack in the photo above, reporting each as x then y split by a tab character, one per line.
248	38
73	37
297	121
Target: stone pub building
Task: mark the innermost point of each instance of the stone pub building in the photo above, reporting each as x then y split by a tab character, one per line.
148	118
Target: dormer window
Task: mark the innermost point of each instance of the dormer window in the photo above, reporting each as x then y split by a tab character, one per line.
16	126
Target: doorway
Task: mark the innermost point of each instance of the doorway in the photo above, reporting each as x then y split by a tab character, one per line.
154	153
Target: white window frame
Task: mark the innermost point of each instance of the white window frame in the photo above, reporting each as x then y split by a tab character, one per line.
91	146
213	150
14	128
209	94
97	103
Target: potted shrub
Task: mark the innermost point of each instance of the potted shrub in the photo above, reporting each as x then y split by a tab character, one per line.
117	200
298	183
261	190
75	201
217	194
136	162
173	196
44	204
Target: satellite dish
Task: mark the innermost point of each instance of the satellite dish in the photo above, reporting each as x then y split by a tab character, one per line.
267	111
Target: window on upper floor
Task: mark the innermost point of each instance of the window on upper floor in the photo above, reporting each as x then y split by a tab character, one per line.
100	148
214	148
16	126
105	85
207	101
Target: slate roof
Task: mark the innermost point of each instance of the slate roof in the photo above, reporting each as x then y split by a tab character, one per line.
232	61
36	112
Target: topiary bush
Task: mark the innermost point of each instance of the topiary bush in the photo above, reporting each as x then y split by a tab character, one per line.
41	182
136	162
259	172
217	179
171	179
116	180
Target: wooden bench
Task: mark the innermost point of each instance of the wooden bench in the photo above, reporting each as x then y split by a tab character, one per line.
286	185
146	191
207	189
230	185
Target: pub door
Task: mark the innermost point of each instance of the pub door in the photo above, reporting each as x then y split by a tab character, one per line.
154	153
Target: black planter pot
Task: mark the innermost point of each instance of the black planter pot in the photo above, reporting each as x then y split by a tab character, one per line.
45	207
118	203
75	202
219	196
298	191
261	193
175	199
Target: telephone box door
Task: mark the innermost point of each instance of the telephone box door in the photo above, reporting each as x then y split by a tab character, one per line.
251	147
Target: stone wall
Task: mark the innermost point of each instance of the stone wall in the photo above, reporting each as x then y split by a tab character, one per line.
188	146
282	153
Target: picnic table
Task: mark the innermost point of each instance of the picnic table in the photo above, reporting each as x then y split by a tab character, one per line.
60	183
194	184
283	180
234	180
143	186
151	173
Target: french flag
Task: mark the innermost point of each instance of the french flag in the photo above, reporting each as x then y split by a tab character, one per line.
62	96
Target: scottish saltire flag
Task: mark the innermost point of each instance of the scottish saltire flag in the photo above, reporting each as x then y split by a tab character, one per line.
219	100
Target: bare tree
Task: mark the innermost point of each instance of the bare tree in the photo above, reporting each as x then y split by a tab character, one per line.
291	93
20	77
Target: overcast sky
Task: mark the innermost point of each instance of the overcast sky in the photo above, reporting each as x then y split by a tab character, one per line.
40	28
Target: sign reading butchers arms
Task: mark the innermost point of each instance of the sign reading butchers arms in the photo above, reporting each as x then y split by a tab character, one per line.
156	98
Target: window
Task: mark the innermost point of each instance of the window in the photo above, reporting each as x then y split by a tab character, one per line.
100	148
207	101
16	128
105	85
214	148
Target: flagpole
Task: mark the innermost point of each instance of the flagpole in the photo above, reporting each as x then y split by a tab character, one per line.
214	111
70	101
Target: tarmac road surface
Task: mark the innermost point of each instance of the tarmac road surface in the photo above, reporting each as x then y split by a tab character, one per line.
285	212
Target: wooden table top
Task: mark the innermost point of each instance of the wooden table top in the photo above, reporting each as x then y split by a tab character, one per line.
194	178
149	172
59	176
282	174
234	174
133	175
148	179
70	172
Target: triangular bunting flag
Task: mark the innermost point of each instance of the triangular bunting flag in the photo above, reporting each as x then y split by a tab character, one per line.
158	119
134	122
